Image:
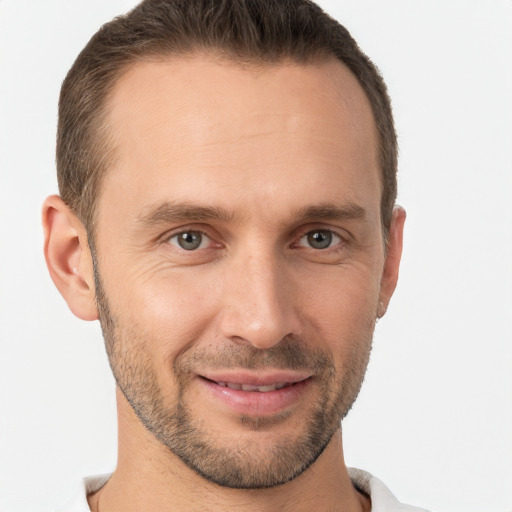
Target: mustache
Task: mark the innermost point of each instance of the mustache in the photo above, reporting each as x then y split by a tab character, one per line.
290	353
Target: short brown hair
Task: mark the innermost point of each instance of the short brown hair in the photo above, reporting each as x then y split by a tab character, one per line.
262	31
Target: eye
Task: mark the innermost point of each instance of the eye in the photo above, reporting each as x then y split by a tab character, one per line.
190	240
320	239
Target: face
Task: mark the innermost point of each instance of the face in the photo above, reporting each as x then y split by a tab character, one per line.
239	259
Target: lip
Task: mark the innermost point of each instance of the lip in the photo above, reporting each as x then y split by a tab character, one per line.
256	403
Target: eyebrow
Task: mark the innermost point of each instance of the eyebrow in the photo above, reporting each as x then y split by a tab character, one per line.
332	211
171	212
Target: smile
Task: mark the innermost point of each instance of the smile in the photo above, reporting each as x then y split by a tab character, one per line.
250	394
252	387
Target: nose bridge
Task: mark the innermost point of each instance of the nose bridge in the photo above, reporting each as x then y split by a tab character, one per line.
257	306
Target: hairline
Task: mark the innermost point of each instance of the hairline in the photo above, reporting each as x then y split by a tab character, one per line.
103	138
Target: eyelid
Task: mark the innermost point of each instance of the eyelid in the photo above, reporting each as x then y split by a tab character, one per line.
335	234
164	239
205	240
344	235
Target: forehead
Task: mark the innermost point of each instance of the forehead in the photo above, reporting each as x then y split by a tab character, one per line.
204	129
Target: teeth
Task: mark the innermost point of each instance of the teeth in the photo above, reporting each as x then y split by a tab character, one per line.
251	387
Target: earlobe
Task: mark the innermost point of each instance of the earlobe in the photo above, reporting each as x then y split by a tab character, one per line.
392	262
68	257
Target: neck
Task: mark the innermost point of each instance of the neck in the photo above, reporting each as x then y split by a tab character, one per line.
149	477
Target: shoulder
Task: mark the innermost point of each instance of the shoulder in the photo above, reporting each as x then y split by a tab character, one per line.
382	498
78	501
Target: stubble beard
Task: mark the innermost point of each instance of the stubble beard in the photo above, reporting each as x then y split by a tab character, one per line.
243	464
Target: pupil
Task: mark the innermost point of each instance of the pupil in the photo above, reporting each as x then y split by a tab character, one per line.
190	240
320	239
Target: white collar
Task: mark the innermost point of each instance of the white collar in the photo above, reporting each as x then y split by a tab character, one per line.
382	498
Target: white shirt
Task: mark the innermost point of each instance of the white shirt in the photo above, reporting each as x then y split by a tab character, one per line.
382	498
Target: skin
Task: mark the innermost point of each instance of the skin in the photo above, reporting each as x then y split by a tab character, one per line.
283	151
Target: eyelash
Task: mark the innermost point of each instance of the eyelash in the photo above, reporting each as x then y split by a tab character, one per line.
202	233
332	234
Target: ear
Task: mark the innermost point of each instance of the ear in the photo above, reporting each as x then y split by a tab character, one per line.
392	262
68	257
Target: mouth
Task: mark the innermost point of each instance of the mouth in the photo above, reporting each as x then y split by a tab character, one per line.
254	387
255	395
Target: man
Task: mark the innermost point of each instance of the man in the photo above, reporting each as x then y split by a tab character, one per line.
227	172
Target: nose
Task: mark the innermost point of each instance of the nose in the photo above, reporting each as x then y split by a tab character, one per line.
258	306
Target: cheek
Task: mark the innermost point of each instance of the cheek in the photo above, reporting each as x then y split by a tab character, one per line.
343	310
172	308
